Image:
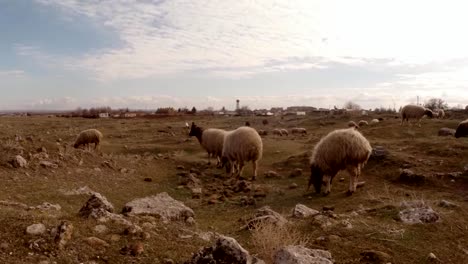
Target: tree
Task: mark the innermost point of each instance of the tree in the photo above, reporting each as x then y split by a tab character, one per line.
352	106
436	103
194	110
223	109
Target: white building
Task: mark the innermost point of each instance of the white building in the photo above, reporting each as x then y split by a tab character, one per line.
103	115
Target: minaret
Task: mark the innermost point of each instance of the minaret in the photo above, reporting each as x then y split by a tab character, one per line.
237	104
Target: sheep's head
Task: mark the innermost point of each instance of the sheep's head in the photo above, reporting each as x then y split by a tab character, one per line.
195	130
429	113
316	178
462	131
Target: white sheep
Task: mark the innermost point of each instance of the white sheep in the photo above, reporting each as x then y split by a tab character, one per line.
284	132
462	129
299	130
210	139
416	112
440	113
277	132
363	123
374	121
262	132
342	149
87	137
352	124
240	146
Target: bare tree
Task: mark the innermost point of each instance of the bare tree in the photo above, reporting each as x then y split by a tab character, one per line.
352	106
436	103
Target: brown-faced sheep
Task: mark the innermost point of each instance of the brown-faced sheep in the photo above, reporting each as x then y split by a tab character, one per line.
363	123
462	129
414	112
88	136
299	130
211	140
240	146
284	132
342	149
277	132
352	124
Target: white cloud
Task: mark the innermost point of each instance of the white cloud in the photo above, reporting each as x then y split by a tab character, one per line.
12	73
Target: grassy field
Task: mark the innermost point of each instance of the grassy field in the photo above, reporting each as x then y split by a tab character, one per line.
153	148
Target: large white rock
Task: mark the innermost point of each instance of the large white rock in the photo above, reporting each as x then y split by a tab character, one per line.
417	212
302	211
302	255
161	205
36	229
97	206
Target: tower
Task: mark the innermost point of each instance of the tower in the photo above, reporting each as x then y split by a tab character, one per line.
237	104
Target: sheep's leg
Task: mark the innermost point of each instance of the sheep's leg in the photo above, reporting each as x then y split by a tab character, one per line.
419	122
327	179
240	169
353	175
254	164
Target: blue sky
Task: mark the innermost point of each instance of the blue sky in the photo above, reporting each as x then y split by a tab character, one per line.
61	54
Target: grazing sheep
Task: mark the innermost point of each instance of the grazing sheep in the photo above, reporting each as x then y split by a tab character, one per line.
440	113
284	132
247	123
277	132
88	136
415	112
363	123
342	149
211	140
352	124
374	121
240	146
262	132
299	130
446	132
462	129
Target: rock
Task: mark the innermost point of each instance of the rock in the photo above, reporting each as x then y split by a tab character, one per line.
161	205
196	192
97	206
408	176
168	261
191	181
296	173
19	162
375	256
302	211
114	238
360	184
48	164
447	204
416	212
64	234
271	174
134	249
302	255
100	229
265	215
147	179
180	167
245	200
328	208
47	206
147	226
323	221
432	256
96	242
379	152
190	221
36	229
242	186
225	250
293	186
443	132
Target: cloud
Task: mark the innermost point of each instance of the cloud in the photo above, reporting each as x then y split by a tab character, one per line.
53	103
12	73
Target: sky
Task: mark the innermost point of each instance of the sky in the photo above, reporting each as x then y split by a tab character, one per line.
145	54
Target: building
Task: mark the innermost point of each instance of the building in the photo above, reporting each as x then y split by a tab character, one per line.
129	115
103	115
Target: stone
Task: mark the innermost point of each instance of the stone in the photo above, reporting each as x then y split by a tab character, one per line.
47	206
302	211
243	186
196	192
378	153
447	204
265	215
19	162
190	221
148	179
443	132
408	176
114	238
432	256
417	212
271	174
36	229
225	250
48	164
134	249
375	256
180	167
302	255
147	226
161	205
168	261
296	173
293	186
96	242
100	229
97	206
63	234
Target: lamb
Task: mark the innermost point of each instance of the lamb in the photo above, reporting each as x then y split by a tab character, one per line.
462	129
88	136
363	123
299	130
240	146
342	149
416	112
277	132
210	139
352	124
374	121
284	132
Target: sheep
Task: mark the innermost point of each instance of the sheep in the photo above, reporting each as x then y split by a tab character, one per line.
352	124
210	139
242	145
374	121
88	136
363	123
416	112
247	123
299	130
462	129
341	149
277	132
284	132
262	132
440	113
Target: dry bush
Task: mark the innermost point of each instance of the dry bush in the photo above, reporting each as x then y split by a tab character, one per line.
267	238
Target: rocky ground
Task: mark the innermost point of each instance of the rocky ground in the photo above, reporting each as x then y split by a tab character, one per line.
149	196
